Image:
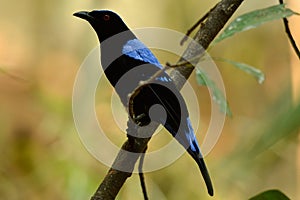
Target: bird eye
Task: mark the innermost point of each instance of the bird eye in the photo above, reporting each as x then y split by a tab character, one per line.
106	17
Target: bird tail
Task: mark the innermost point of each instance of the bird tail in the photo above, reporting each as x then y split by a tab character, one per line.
200	161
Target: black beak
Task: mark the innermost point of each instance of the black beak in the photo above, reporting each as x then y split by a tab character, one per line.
83	15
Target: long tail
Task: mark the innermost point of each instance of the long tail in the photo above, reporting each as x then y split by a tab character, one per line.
204	171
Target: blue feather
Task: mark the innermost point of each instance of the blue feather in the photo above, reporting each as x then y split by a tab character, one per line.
189	133
137	50
186	137
164	79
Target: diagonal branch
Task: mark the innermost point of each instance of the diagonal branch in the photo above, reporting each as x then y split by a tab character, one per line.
115	179
289	34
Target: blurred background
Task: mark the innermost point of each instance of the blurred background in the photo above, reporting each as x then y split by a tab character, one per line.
41	48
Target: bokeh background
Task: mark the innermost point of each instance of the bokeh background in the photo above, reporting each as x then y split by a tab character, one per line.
41	48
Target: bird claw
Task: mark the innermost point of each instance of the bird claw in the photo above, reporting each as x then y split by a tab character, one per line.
138	119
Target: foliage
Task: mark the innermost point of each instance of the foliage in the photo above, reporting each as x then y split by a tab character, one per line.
243	23
254	19
270	195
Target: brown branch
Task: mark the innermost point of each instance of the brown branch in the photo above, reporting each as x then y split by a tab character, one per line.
115	179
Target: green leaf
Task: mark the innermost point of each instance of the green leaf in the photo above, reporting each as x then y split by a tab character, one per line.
254	19
200	78
270	195
283	125
216	93
256	73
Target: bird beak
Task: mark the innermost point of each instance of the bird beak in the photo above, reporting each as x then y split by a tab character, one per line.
83	15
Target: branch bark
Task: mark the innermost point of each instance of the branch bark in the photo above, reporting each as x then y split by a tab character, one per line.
114	180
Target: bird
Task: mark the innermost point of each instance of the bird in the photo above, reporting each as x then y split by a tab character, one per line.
127	63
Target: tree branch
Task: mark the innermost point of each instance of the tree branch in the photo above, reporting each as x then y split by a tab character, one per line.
289	34
115	179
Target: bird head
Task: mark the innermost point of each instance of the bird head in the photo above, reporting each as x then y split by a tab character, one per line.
105	22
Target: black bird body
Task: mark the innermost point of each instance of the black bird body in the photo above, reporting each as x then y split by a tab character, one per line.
126	62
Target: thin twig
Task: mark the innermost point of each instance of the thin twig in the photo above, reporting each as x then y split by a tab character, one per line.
157	74
13	76
289	34
141	175
152	78
163	69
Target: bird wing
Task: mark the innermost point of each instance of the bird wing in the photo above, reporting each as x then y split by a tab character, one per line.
137	50
184	133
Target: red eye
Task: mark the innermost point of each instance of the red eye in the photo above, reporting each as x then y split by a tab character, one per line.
106	17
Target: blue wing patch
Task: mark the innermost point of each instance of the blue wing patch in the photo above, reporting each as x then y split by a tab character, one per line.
191	137
164	79
137	50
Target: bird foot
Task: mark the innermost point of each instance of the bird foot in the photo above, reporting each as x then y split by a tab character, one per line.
140	119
